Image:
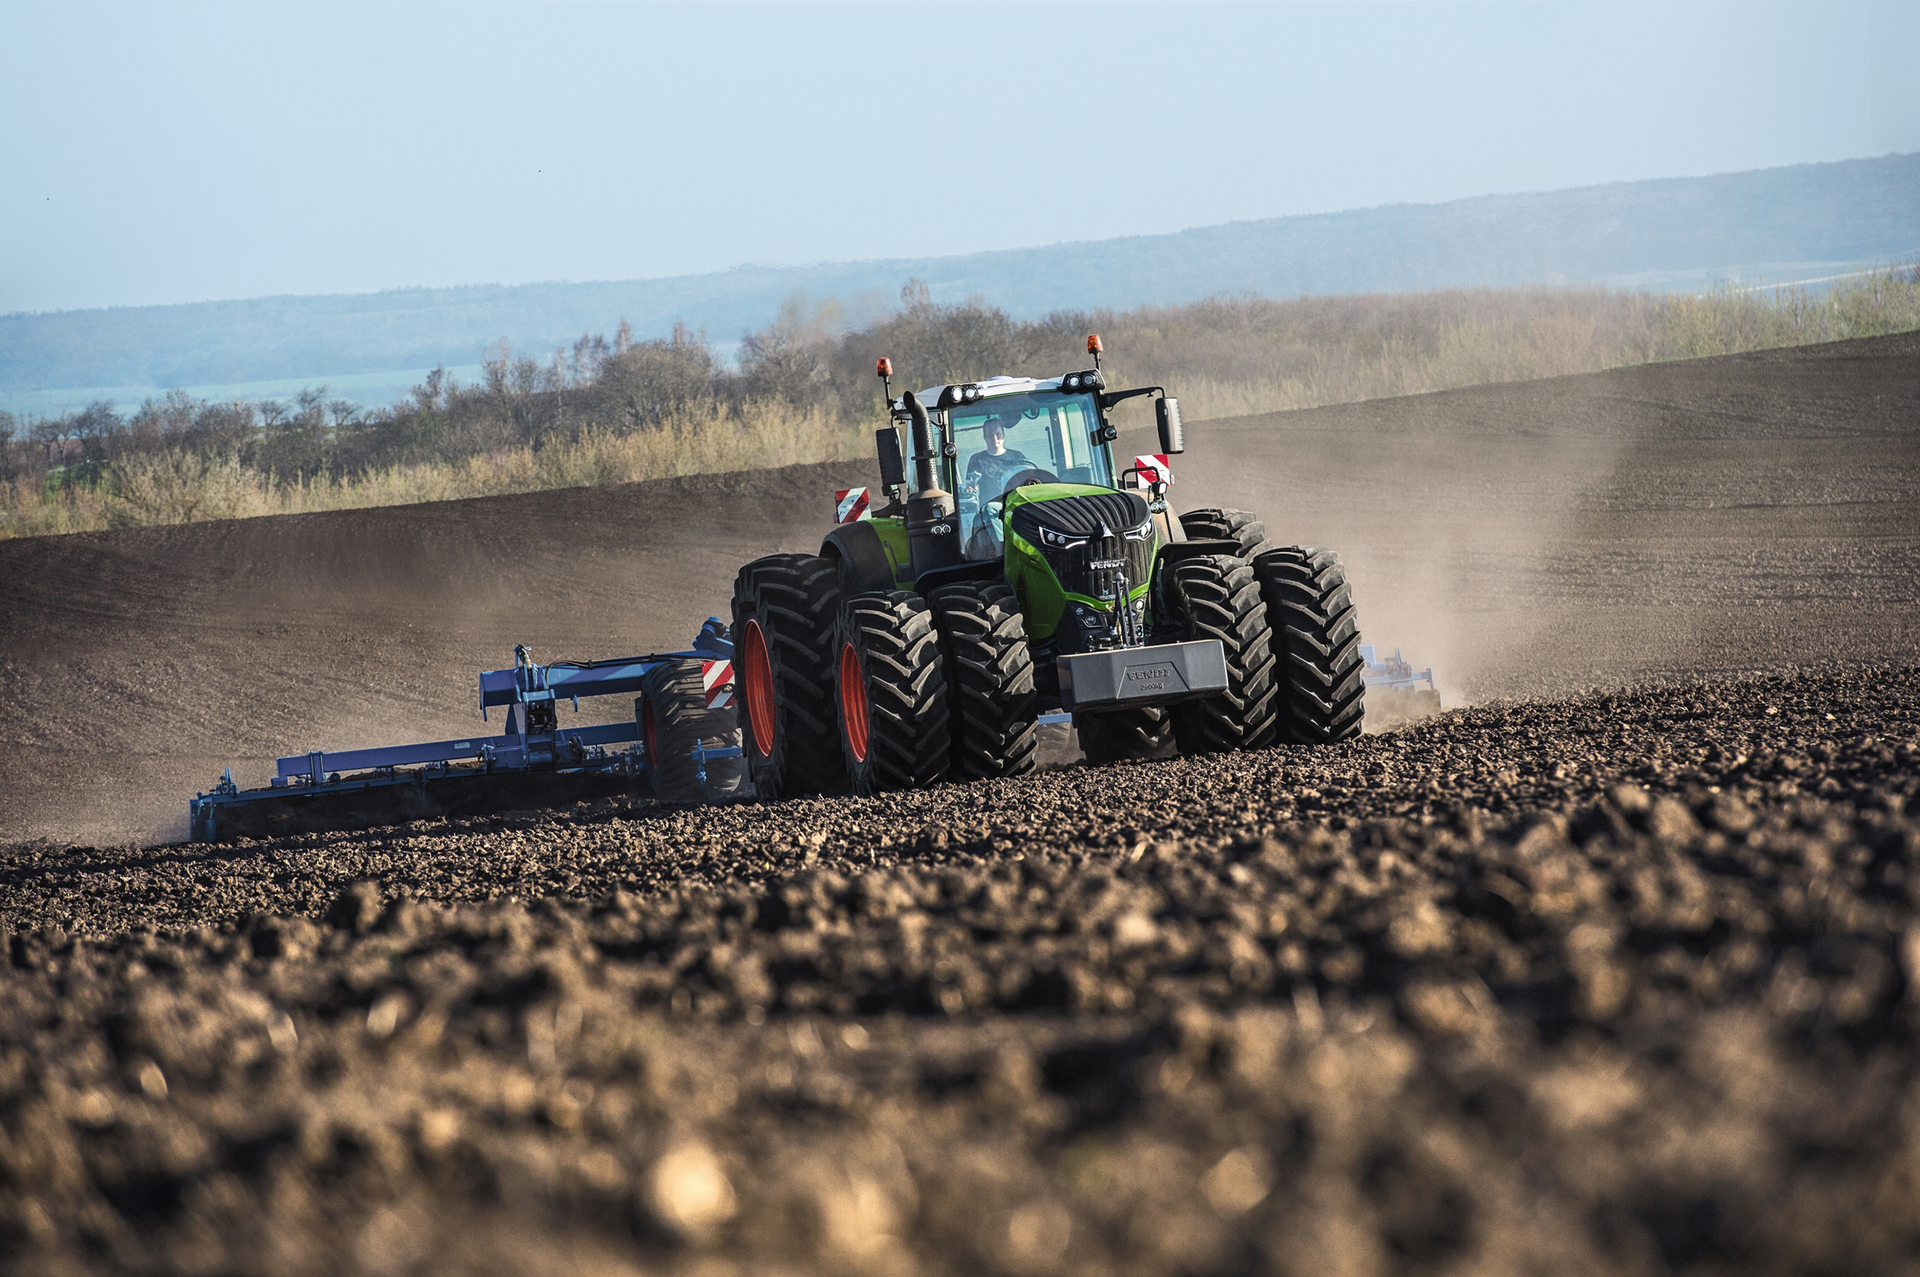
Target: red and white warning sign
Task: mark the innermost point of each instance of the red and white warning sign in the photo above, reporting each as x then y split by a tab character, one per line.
853	505
717	676
1154	469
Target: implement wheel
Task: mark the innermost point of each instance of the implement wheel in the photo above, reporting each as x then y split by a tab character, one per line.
989	670
674	717
1318	637
892	692
1219	598
783	613
1228	525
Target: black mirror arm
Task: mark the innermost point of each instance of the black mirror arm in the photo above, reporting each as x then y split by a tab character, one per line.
1109	400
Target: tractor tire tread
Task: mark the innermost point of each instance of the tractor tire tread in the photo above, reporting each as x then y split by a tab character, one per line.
1125	735
1317	630
1215	523
906	691
1220	598
795	598
990	679
677	695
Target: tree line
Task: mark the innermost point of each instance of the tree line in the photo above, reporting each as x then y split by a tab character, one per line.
1224	355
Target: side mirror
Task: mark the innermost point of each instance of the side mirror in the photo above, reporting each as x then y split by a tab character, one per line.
893	467
1166	414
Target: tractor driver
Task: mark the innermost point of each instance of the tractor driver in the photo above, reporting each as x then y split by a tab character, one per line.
989	469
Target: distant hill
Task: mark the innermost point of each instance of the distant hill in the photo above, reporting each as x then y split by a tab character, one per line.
1778	222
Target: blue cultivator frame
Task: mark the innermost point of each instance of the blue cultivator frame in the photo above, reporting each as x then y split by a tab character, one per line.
1394	673
533	757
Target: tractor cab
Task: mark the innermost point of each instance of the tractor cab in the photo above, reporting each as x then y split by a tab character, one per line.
1017	432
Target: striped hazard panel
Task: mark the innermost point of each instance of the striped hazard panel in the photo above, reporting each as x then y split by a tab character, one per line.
1154	468
853	505
718	678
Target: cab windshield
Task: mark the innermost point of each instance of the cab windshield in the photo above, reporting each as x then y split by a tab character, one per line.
999	440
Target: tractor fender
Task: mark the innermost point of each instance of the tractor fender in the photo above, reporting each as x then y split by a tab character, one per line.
977	570
1177	550
862	554
1170	554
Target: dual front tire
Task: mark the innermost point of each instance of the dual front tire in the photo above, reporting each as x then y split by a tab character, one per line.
1318	674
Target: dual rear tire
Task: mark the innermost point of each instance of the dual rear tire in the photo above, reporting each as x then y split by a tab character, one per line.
784	610
877	690
891	692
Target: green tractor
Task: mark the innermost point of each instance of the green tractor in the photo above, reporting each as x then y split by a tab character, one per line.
1035	582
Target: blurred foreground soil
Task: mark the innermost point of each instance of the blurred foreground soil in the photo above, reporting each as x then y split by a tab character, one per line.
1614	984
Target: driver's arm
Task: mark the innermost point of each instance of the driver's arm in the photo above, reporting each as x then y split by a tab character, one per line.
976	467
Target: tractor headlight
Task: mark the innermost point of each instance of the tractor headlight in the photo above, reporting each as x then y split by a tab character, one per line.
1142	532
1061	540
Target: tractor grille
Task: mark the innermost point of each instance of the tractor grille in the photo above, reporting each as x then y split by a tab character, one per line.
1095	567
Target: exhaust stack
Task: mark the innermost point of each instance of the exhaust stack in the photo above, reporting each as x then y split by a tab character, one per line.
933	526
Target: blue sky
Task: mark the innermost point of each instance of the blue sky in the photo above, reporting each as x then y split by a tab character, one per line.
166	152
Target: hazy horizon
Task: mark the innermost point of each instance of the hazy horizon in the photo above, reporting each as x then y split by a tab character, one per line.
1657	284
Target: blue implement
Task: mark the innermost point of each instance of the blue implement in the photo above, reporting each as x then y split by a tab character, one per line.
533	760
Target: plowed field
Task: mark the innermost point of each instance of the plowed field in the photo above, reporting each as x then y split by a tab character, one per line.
1612	970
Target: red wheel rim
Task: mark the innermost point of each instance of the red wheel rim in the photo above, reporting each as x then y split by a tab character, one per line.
756	673
653	734
853	702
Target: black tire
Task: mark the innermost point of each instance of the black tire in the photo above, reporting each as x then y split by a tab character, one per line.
783	615
989	669
674	717
1219	597
1322	695
1228	525
1119	735
892	692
